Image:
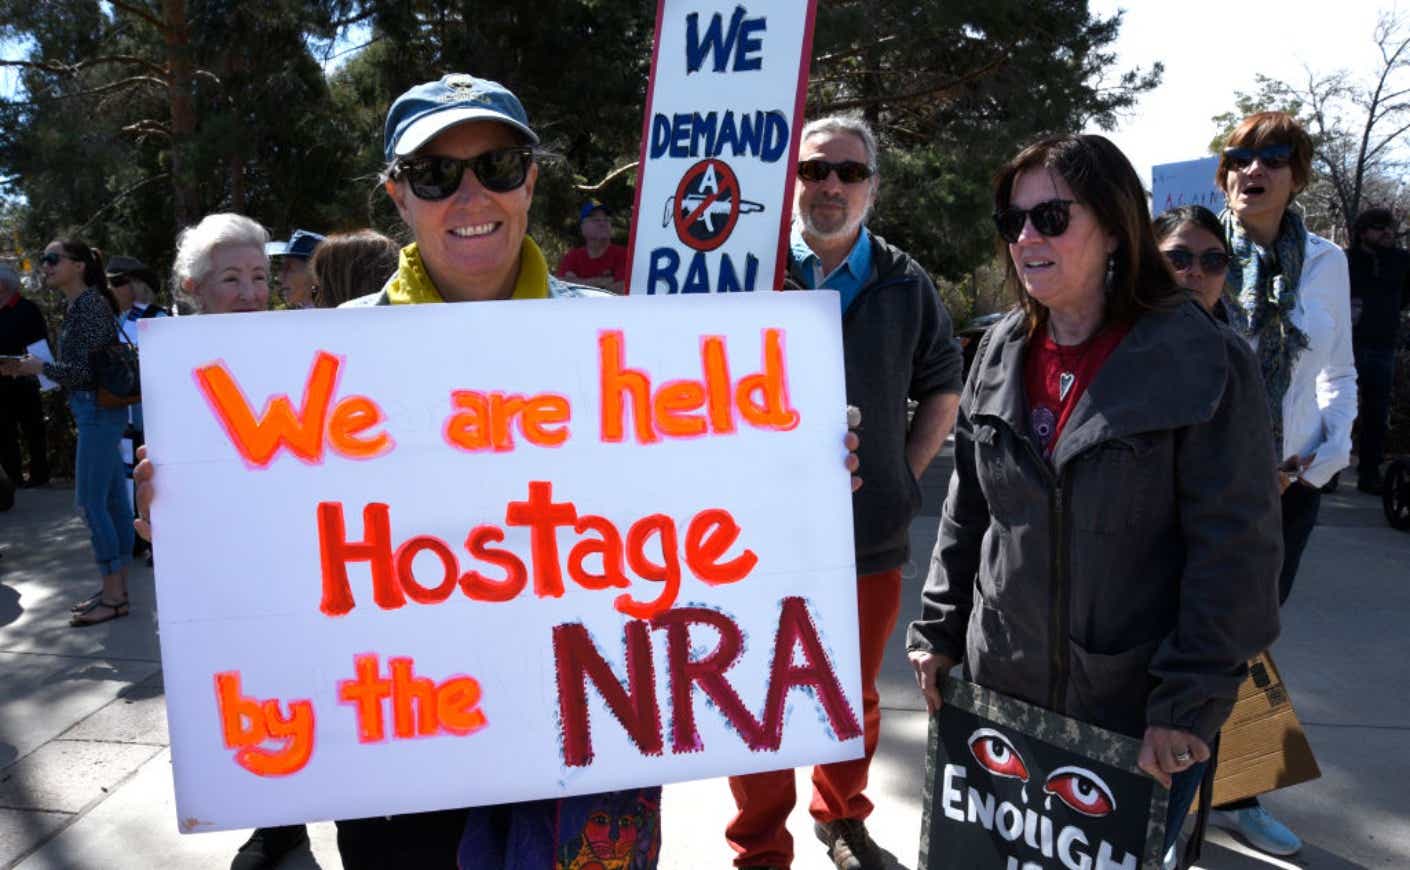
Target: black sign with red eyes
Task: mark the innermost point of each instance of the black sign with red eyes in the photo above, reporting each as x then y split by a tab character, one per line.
1015	787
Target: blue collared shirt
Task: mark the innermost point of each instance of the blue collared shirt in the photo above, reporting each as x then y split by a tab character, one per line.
847	279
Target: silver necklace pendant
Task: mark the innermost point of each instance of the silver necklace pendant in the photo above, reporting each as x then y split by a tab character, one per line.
1065	382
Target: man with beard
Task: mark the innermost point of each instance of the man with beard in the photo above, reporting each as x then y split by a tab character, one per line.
1380	290
897	343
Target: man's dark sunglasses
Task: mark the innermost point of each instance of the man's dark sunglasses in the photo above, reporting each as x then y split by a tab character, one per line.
434	178
1210	262
848	171
118	280
1050	217
1271	156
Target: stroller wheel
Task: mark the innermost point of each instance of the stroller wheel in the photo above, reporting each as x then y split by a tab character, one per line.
1395	498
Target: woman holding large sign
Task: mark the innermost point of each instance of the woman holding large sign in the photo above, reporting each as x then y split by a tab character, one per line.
1110	540
461	172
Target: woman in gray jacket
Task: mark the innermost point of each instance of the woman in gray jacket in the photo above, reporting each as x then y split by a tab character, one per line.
1109	548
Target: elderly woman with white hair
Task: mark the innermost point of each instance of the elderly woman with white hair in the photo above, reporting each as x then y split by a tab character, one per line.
221	267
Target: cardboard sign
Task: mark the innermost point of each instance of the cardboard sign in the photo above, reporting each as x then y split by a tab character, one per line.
1011	786
435	556
1262	746
1189	182
719	146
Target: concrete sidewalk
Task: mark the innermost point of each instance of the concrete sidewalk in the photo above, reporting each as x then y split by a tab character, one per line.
85	778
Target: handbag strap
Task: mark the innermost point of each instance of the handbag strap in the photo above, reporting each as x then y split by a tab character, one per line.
122	332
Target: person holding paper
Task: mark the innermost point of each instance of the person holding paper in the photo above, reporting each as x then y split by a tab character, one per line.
100	487
221	268
461	172
1109	546
1293	307
897	343
21	411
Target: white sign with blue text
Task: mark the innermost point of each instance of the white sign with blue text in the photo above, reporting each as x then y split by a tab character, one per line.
1189	182
719	143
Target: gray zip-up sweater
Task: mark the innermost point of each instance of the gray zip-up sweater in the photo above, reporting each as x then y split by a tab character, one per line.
897	342
1128	582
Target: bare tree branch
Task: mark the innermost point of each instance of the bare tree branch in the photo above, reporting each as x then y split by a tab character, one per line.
920	93
620	170
120	197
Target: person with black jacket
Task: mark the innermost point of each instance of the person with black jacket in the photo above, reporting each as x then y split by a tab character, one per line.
21	411
1380	291
897	343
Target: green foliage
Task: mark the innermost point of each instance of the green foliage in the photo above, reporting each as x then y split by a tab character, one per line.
953	89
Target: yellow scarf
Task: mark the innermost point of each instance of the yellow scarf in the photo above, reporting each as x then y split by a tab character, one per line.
412	285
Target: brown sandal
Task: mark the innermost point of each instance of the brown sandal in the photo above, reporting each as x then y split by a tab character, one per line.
88	603
116	610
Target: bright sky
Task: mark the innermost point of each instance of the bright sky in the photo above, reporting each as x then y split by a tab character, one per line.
1212	49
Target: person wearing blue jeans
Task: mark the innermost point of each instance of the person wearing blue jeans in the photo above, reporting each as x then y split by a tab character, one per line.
100	484
76	270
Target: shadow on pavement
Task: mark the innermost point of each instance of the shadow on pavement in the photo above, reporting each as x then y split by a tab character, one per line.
10	607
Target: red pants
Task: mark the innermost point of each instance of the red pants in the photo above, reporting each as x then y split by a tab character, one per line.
759	833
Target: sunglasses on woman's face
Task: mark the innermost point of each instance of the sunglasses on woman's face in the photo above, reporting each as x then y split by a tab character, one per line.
1050	217
1271	156
1210	262
52	259
436	178
848	171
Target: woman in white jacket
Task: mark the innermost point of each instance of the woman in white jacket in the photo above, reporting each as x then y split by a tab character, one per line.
1293	305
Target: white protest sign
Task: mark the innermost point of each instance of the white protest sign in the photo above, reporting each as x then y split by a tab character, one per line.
434	556
718	145
1189	182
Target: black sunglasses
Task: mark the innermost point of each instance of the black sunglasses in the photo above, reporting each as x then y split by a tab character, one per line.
52	259
848	171
1210	262
118	280
433	178
1050	217
1271	156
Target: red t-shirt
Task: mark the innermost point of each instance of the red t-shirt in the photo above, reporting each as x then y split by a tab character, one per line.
1050	368
612	262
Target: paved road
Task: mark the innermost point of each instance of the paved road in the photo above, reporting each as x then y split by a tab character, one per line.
85	777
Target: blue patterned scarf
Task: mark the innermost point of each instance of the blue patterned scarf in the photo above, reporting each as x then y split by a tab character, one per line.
1264	280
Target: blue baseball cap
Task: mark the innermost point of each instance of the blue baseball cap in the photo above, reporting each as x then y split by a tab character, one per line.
300	244
591	206
421	113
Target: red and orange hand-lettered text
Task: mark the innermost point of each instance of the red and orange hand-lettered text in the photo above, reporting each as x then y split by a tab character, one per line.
246	723
709	536
305	432
633	702
487	421
419	707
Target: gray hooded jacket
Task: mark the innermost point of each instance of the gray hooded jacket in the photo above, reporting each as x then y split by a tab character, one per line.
1128	582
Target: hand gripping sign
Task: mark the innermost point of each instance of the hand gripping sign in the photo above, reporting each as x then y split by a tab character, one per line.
503	573
719	146
1011	786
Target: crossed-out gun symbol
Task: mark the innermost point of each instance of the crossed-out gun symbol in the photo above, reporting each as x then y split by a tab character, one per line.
717	208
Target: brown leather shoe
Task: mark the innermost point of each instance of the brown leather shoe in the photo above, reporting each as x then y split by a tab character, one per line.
849	845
